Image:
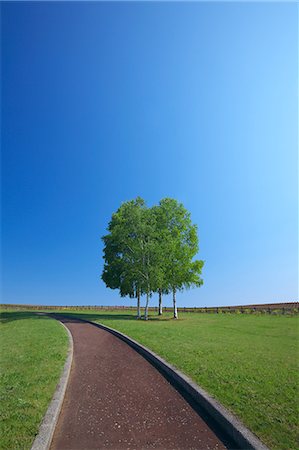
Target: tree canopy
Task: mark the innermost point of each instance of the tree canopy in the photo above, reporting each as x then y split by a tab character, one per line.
151	250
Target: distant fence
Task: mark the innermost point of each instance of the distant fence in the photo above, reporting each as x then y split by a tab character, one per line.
268	308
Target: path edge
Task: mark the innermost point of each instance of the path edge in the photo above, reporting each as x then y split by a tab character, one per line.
46	430
229	424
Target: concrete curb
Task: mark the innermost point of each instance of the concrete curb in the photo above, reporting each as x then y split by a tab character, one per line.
238	435
46	430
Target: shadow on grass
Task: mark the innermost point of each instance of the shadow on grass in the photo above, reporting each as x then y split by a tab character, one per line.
102	317
9	316
91	316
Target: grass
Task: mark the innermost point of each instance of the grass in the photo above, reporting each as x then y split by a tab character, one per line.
248	362
33	352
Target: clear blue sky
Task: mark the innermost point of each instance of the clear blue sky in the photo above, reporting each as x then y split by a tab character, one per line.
102	102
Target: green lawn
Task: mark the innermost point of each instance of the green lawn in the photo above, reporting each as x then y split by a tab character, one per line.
248	362
33	352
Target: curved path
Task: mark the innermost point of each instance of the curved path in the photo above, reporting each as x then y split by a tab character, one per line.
116	399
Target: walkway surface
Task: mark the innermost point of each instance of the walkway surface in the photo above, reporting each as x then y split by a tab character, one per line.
116	399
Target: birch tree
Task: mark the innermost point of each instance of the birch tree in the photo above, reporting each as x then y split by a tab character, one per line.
148	256
178	244
151	250
120	271
130	252
162	235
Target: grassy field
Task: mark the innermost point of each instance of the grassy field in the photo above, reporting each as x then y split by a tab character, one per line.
248	362
33	352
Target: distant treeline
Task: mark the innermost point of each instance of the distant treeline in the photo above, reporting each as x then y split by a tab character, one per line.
270	308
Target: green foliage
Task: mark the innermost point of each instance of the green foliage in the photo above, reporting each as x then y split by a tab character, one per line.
178	243
151	249
122	248
130	250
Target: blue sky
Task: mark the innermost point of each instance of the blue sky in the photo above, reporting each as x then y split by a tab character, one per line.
102	102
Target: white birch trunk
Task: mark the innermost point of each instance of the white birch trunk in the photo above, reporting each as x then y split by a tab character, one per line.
175	311
146	307
138	305
160	302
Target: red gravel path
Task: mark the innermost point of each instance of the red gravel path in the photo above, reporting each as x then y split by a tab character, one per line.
115	399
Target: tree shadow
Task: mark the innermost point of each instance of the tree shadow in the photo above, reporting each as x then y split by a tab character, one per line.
113	317
10	316
91	316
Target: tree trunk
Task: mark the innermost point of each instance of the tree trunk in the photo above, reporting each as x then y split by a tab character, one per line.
175	311
160	302
146	307
138	305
